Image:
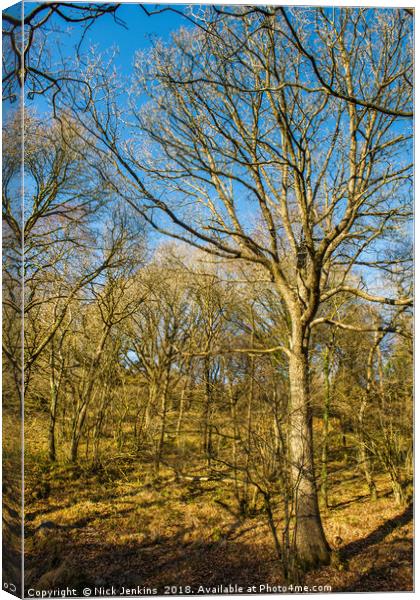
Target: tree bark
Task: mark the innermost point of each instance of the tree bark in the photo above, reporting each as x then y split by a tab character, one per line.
55	381
207	441
365	467
364	458
77	433
53	415
310	543
325	428
164	411
185	387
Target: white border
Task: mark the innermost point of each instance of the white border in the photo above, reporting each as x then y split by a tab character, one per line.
343	3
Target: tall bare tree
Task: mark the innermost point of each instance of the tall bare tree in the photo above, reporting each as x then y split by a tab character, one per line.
241	152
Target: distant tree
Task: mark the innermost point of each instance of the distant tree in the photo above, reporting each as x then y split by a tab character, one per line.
157	334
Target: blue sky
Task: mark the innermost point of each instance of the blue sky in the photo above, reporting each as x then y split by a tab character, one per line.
105	33
139	29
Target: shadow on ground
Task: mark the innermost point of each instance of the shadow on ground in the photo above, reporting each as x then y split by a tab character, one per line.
378	534
168	561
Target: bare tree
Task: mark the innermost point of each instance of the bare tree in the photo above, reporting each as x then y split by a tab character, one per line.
113	300
323	64
27	62
157	333
328	178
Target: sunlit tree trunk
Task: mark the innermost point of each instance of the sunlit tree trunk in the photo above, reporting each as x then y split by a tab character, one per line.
207	442
186	386
364	458
310	543
97	429
164	411
53	416
325	428
53	407
76	434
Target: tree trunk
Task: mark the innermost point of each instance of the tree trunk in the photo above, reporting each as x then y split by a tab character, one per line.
397	487
77	433
97	429
185	387
364	458
164	411
207	441
310	543
365	467
74	448
55	380
53	417
344	442
325	429
234	417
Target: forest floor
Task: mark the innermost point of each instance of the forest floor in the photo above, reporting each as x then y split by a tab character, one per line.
114	529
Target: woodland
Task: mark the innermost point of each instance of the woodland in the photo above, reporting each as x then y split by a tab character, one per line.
207	300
